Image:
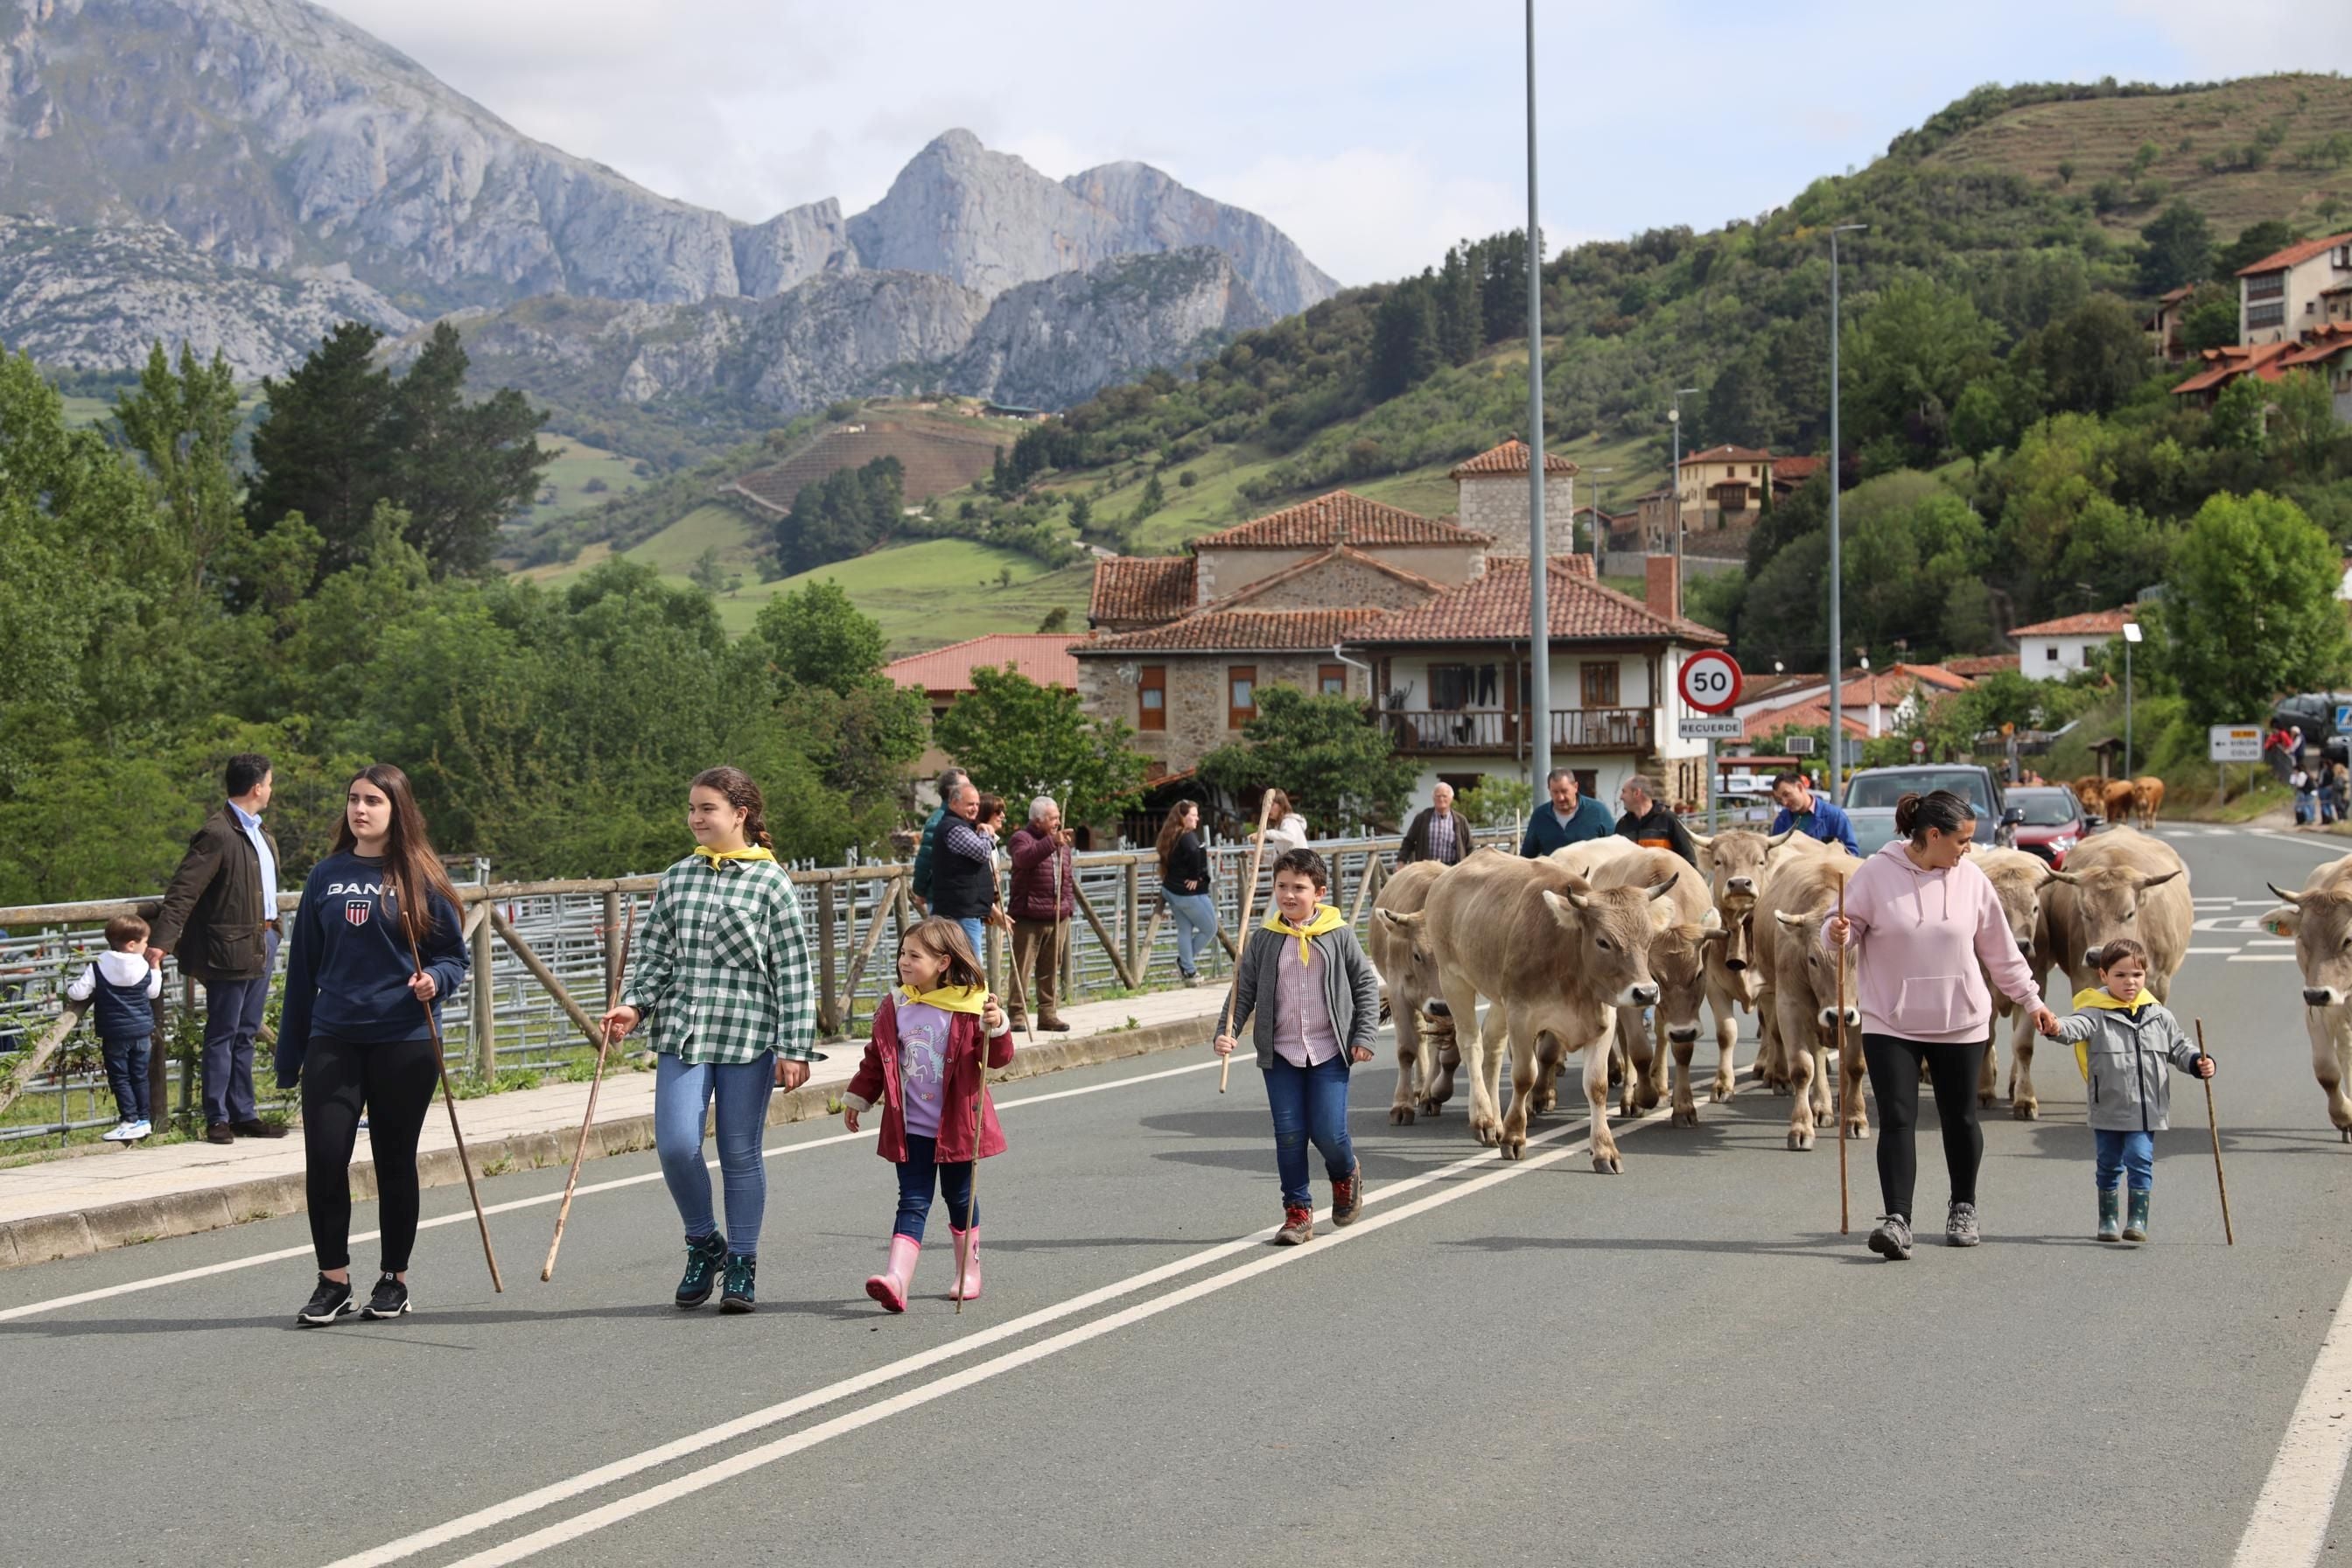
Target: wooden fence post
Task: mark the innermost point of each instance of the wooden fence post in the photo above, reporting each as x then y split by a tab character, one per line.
828	999
483	1017
1131	886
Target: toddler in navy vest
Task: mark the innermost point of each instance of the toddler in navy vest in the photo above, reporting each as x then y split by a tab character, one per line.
121	988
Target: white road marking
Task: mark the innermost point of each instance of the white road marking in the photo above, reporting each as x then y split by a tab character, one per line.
2289	1528
2210	952
850	1421
181	1277
2262	958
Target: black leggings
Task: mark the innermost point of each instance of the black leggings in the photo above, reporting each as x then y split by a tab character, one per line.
1894	1066
391	1082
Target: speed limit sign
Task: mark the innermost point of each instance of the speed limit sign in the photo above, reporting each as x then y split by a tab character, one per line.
1710	680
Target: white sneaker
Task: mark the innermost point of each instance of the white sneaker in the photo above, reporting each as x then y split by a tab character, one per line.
136	1131
118	1133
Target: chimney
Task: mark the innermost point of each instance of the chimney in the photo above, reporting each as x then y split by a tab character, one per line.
1659	583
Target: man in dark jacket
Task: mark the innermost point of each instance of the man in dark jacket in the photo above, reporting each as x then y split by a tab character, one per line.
1649	824
220	916
949	781
1567	819
1436	833
1045	898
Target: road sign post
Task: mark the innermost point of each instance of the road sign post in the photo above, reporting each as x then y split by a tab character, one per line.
2227	743
1710	682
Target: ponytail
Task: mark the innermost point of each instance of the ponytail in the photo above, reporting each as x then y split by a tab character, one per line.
1942	810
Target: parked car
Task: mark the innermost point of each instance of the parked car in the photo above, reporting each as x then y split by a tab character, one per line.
1872	795
2053	823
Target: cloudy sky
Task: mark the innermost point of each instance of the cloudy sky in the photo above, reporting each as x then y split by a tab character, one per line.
1374	131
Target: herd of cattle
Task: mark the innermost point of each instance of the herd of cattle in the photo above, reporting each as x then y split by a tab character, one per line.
2136	801
1567	951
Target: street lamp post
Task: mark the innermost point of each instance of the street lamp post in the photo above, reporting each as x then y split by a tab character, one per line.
2131	637
1837	626
1675	420
1538	694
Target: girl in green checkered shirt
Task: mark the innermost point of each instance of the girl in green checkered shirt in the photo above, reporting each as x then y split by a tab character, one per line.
722	969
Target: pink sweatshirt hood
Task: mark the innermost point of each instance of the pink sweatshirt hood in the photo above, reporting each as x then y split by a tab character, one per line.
1929	939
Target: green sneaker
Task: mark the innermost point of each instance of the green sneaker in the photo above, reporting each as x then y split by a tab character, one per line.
702	1261
737	1296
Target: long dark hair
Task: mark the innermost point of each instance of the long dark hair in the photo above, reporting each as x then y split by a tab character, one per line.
938	934
744	796
1944	812
409	858
1172	829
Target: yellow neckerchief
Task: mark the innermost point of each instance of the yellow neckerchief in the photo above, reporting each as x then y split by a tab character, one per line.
1326	919
2097	997
716	856
972	999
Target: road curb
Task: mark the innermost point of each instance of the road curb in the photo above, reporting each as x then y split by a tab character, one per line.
46	1238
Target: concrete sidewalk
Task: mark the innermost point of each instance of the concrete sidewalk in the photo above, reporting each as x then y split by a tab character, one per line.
66	1208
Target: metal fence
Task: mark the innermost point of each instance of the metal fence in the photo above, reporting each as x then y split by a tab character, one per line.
543	952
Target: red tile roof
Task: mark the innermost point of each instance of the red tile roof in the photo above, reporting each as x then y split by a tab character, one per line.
1976	667
1043	658
1727	454
1340	553
1510	458
1239	631
1758	728
1494	608
2228	363
1796	470
1141	588
1342	515
2280	260
2319	345
2096	623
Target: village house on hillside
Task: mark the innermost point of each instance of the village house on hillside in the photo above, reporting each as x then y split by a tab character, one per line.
944	674
2052	650
1425	620
2294	312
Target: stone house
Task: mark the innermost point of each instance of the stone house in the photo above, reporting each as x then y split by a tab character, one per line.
2163	328
1491	496
1722	487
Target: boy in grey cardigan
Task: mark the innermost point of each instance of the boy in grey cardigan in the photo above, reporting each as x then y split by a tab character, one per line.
2127	1044
1314	1002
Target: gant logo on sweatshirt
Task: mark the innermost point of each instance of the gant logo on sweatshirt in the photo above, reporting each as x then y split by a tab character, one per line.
358	914
374	889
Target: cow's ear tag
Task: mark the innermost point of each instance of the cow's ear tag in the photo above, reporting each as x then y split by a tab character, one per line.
2277	924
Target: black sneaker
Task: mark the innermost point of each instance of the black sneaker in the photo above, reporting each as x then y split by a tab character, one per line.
330	1301
702	1261
1891	1240
389	1299
737	1296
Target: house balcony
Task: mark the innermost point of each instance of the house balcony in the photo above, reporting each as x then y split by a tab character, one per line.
1492	730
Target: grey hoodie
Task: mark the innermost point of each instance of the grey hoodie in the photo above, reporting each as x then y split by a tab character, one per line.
2122	1057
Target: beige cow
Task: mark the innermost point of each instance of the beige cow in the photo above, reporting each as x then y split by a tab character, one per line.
1555	956
2319	918
1735	863
1426	1053
1687	929
1799	1010
2016	877
2120	883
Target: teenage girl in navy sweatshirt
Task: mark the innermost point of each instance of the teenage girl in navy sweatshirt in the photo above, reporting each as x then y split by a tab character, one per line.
354	1032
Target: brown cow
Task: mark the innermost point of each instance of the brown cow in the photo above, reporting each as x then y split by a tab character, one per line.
2148	800
1427	1054
2115	802
1734	862
1799	1008
2120	883
1687	928
2016	878
1555	957
2319	918
2092	791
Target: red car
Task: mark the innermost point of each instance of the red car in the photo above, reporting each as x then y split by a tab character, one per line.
2052	824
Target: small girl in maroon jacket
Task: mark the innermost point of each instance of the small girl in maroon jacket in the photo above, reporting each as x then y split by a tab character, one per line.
923	1068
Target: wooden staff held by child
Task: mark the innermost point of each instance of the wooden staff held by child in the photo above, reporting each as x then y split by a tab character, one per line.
588	1118
2213	1127
1249	907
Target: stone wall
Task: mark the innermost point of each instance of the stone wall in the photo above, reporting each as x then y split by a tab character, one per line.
1498	504
1219	572
1340	583
1196	695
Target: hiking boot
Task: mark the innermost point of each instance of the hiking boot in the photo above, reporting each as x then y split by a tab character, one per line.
1053	1024
1297	1225
1891	1240
330	1301
1348	1195
891	1285
2111	1214
2135	1227
218	1132
737	1296
702	1261
388	1300
1960	1224
967	1252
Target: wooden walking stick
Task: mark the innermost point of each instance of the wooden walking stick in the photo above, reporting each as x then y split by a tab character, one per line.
2229	1234
1846	1214
588	1118
1249	907
441	1060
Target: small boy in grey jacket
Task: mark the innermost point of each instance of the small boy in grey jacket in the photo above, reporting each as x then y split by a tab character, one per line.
1315	1002
2127	1044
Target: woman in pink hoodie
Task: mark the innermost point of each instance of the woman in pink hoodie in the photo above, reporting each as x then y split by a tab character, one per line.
1921	916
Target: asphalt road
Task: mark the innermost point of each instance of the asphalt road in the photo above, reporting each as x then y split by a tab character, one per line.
1528	1361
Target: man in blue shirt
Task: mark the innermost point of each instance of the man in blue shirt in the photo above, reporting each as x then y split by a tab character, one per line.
1810	815
1565	819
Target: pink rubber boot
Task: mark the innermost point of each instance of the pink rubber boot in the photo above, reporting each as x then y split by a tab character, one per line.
966	1251
890	1285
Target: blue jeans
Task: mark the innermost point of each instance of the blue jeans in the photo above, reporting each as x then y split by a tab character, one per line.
682	1098
126	1074
916	1174
232	1018
2122	1152
1310	1105
975	932
1196	928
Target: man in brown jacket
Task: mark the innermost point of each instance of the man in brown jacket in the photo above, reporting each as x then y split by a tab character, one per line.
220	915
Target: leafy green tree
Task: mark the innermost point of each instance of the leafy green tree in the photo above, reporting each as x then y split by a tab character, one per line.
1981	425
2252	609
184	425
2308	433
459	469
845	513
2253	242
1019	740
1337	766
1909	356
1498	800
1153	496
2090	360
2179	249
322	448
707	573
2210	319
2240	415
816	636
1082	513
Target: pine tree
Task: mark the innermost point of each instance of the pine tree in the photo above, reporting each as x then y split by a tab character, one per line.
459	470
320	449
1460	328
